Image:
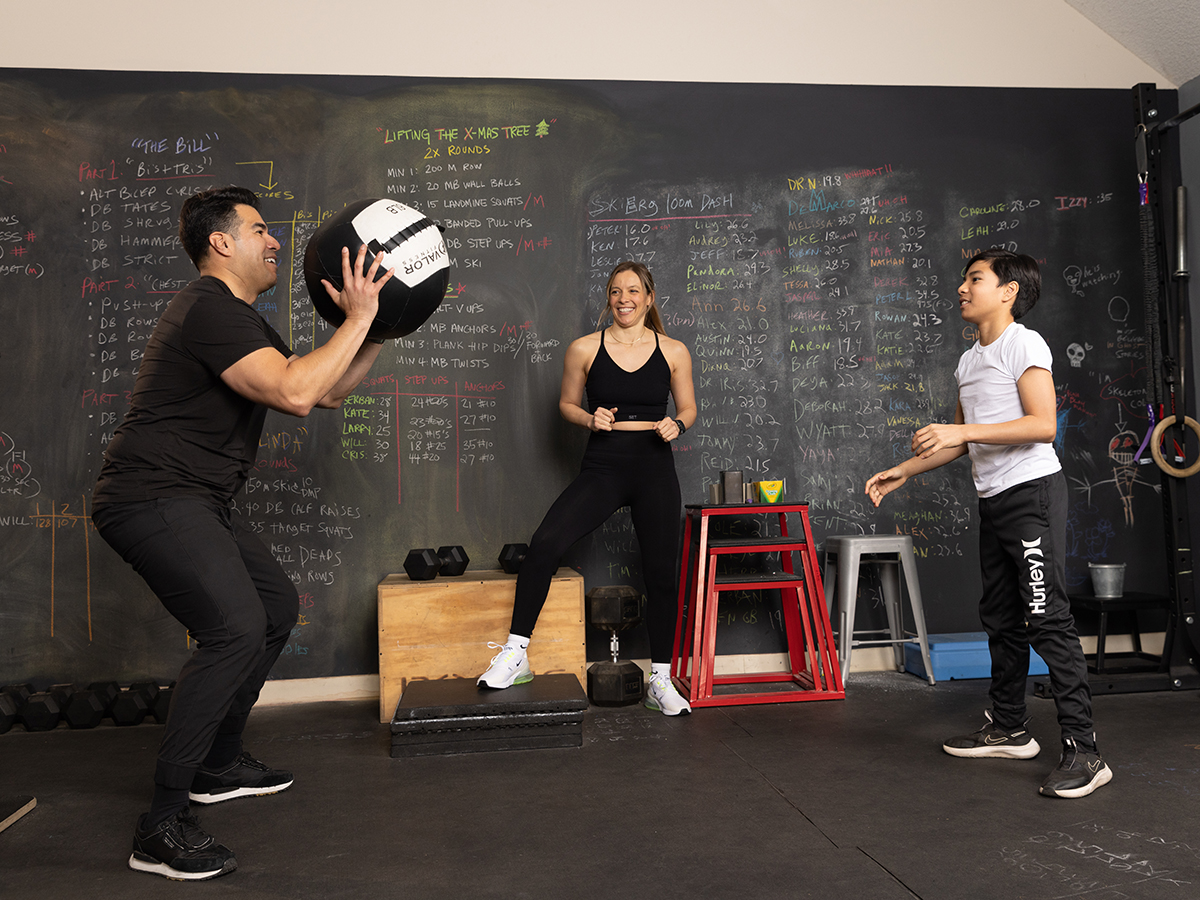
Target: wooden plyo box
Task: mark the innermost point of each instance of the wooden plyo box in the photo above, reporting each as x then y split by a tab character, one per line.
441	628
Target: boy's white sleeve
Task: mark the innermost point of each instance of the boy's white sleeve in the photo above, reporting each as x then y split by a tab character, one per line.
1032	350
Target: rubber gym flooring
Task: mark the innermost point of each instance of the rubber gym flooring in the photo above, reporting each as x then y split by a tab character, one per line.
832	800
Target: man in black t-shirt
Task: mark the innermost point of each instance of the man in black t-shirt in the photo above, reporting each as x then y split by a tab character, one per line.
211	369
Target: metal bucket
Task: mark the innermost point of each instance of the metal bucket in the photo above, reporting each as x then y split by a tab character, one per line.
731	486
1108	579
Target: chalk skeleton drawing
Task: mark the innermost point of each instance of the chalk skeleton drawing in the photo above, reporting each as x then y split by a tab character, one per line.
1121	450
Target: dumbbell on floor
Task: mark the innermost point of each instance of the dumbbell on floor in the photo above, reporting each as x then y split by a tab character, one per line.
161	706
36	710
40	712
614	609
148	690
426	564
8	712
107	692
15	697
19	692
84	709
61	693
512	556
131	706
158	699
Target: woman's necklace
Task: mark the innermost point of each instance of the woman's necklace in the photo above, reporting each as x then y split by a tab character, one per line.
628	343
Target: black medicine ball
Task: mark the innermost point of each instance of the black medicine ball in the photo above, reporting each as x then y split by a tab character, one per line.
405	239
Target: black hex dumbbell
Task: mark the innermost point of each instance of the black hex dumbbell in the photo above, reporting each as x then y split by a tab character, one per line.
161	706
142	699
14	697
158	699
107	691
84	709
512	556
8	712
40	712
19	692
423	565
614	609
61	693
148	690
129	708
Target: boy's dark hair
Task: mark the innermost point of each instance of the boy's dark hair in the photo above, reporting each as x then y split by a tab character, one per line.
1017	267
209	211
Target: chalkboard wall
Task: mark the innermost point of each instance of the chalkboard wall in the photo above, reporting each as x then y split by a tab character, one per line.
807	242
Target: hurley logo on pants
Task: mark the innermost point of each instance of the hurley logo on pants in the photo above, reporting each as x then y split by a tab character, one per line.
1037	578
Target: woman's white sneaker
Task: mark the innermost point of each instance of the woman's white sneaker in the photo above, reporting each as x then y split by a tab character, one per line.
661	695
510	666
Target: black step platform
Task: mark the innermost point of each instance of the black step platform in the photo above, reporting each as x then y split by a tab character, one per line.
454	715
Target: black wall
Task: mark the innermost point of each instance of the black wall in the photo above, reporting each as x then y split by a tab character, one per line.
807	242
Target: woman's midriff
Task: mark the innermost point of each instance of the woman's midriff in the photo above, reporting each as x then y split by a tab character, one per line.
634	426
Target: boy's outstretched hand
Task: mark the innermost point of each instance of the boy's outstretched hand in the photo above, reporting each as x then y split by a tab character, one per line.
883	483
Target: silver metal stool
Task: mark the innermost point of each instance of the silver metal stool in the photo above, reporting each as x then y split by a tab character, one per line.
849	551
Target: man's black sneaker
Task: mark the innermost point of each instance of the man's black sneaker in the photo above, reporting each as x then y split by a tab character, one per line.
1079	773
244	777
993	741
180	849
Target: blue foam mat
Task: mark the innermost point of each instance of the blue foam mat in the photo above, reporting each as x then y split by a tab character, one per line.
958	656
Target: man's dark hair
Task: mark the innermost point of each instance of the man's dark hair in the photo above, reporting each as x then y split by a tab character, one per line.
1017	267
209	211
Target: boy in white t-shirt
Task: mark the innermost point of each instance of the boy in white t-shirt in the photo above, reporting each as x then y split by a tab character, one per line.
1006	420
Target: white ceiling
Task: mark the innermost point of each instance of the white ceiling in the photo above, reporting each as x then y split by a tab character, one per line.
1165	34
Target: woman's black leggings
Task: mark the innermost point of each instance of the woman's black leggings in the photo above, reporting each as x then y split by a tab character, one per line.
620	468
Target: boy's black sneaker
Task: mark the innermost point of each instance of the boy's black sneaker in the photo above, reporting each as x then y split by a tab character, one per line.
993	741
179	849
244	777
1079	772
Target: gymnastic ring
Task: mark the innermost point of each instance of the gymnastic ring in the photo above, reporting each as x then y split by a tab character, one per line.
1156	436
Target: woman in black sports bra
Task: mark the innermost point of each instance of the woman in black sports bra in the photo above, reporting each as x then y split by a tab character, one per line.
628	369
